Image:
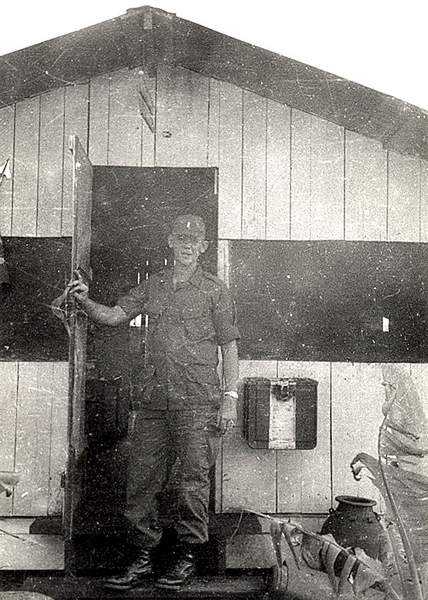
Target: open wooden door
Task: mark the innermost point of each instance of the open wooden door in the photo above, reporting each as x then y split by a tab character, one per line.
80	255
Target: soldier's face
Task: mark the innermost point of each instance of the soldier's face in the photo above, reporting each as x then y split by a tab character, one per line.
187	248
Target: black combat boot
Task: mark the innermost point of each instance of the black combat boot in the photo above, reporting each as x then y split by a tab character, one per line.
180	571
140	570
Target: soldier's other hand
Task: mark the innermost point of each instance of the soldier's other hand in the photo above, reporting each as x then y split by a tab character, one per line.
227	415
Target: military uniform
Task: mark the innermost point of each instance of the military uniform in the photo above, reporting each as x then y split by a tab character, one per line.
180	398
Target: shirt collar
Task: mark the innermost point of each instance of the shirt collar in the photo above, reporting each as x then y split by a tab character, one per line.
196	278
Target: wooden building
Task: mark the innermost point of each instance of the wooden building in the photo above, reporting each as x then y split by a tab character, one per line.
295	159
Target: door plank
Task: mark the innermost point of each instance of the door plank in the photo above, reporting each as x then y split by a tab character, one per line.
82	212
82	202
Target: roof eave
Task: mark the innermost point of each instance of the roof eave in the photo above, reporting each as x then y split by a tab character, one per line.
146	36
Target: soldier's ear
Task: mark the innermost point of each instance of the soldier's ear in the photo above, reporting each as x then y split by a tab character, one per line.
170	241
204	246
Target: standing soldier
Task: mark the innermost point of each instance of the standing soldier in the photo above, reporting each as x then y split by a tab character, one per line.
183	410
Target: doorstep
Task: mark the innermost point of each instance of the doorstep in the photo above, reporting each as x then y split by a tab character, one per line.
241	587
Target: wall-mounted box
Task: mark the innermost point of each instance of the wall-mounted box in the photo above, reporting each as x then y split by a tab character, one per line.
280	414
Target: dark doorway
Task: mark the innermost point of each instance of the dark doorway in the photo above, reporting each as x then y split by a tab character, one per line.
133	209
132	212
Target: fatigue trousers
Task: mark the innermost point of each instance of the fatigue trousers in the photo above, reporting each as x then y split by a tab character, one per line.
159	438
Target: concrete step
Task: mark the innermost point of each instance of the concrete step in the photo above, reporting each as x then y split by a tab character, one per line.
241	587
22	596
24	551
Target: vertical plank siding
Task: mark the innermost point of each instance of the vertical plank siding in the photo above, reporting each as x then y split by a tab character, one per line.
365	189
125	122
327	175
58	438
99	114
317	171
404	176
248	475
181	118
50	196
300	209
304	476
278	172
283	174
8	407
26	168
424	201
358	398
7	135
148	147
230	162
33	440
213	148
254	167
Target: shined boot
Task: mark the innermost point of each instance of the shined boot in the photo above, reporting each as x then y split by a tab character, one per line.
180	571
140	570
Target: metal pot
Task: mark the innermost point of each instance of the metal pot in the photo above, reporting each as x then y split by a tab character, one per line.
354	523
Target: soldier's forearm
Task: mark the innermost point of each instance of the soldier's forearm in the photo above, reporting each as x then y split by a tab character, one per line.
230	366
104	315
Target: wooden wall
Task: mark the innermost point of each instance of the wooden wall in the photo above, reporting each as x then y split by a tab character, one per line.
283	174
33	426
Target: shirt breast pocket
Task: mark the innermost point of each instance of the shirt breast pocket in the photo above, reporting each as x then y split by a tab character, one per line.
198	323
155	308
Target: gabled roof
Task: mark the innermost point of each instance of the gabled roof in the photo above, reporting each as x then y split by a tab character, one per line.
146	36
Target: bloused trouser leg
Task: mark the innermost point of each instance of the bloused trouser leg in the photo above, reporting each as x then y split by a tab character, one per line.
151	458
193	436
197	442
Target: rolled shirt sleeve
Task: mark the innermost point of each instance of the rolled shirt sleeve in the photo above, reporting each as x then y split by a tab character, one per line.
133	303
224	316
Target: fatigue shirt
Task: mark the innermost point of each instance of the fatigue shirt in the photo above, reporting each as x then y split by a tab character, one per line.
185	327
